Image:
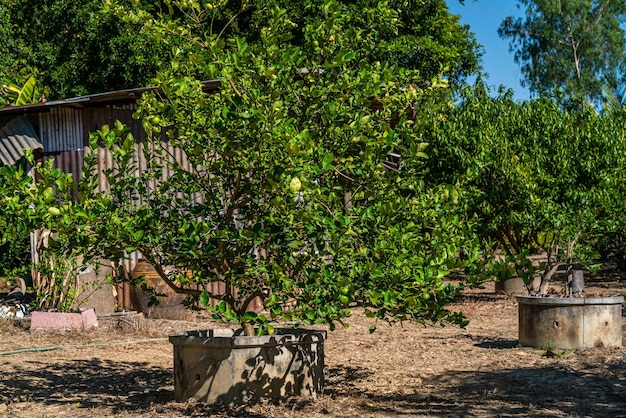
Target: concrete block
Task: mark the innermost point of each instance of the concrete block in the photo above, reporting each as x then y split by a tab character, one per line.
94	291
89	318
63	321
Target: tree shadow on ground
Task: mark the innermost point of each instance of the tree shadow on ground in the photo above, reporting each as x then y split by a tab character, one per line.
96	383
500	344
554	390
527	391
481	341
90	383
479	297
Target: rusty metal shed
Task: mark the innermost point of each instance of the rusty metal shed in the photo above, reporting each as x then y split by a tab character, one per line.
60	130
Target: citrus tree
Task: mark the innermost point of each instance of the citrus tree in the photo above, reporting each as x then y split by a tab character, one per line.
57	208
289	192
541	179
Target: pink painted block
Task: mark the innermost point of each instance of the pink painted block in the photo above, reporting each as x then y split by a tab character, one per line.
89	318
55	321
63	321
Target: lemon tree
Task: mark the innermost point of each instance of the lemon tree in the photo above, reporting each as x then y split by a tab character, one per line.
292	191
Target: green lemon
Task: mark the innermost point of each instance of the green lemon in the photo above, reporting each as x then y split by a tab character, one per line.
293	148
295	185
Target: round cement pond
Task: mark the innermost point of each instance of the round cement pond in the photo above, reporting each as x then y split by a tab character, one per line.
570	322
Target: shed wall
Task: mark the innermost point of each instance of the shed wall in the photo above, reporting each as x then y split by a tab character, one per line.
65	137
61	129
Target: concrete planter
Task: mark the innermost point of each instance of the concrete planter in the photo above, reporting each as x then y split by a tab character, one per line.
511	287
223	366
515	286
570	322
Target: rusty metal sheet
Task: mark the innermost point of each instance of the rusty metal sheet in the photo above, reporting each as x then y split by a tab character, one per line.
68	162
15	137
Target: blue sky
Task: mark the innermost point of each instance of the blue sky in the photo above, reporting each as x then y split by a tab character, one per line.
484	18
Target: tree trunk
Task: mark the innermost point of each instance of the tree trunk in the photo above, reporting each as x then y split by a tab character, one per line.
248	329
577	281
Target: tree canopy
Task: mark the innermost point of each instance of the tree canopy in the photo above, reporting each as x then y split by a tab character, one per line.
80	47
283	188
75	47
541	178
572	45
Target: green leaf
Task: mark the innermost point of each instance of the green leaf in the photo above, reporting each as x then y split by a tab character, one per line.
205	298
27	94
241	44
327	161
249	317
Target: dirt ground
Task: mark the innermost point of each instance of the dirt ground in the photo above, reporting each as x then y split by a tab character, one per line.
124	368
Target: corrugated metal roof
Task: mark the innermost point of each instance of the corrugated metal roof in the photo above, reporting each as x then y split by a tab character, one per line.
117	96
16	136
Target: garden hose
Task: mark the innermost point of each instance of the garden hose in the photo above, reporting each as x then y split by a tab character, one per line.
61	347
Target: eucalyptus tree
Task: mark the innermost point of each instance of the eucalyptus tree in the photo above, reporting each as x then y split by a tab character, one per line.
571	45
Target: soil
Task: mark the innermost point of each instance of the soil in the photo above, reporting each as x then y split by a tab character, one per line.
124	369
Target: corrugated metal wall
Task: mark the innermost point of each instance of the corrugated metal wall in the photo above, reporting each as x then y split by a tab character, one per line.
61	130
65	134
68	162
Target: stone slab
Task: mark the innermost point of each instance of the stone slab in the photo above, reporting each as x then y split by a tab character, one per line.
94	289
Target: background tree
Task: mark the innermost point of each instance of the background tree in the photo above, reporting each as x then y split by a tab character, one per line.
425	36
13	70
75	47
433	41
541	179
573	45
80	47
